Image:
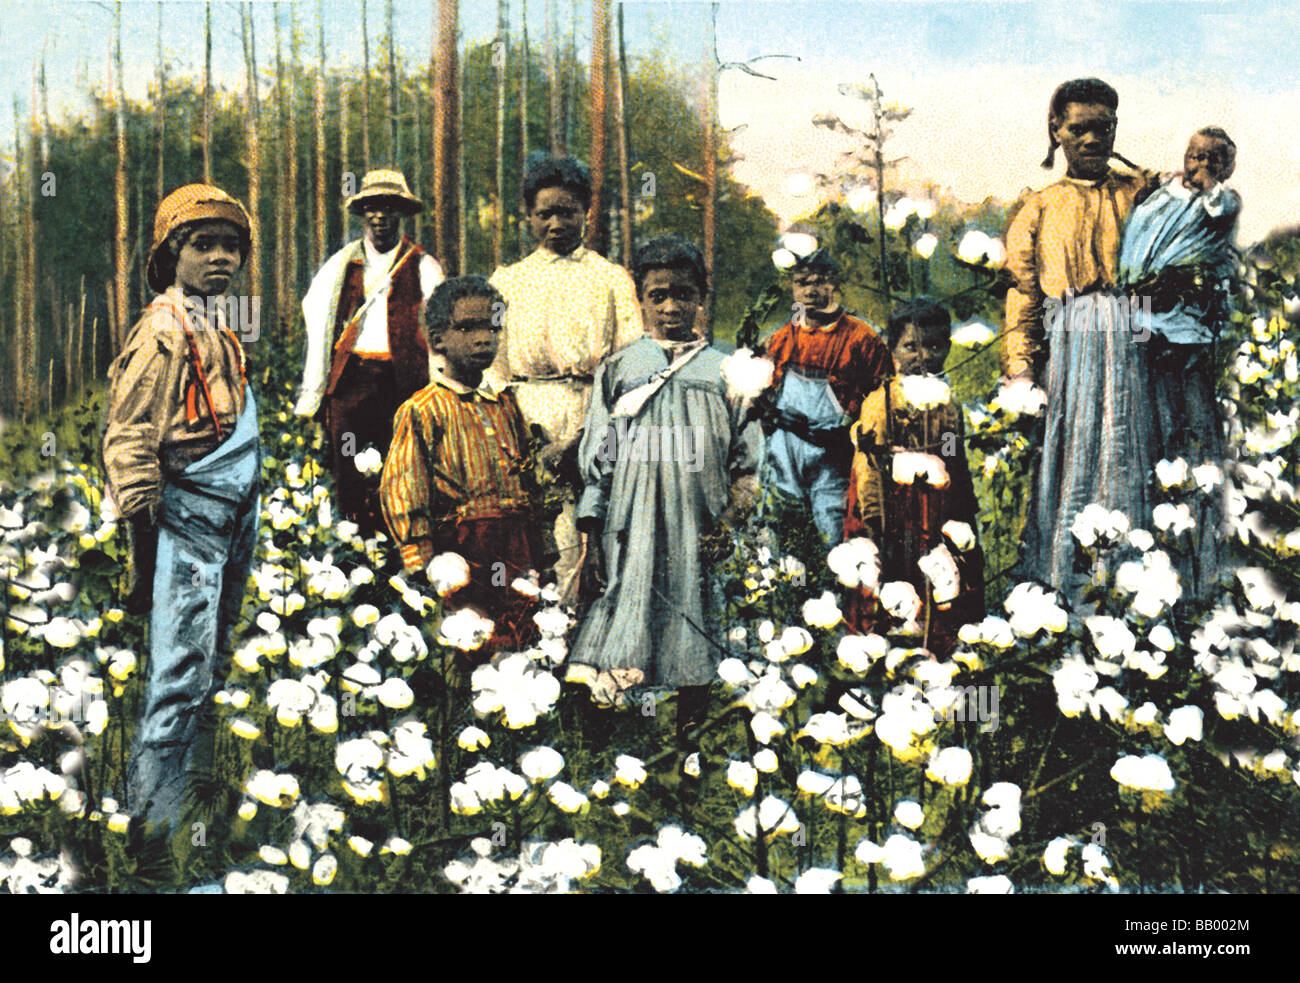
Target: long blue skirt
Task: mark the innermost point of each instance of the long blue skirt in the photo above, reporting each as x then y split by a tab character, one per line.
1099	434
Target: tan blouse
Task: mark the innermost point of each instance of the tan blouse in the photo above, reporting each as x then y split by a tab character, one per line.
563	314
1065	237
158	418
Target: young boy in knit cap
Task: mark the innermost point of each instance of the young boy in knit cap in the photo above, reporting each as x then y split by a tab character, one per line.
182	461
454	480
826	362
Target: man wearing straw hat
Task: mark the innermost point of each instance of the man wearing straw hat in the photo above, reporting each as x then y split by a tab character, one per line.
366	352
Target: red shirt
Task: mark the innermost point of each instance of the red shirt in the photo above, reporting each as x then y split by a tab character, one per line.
853	357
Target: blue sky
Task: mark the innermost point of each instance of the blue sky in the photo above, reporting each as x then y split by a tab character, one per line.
978	74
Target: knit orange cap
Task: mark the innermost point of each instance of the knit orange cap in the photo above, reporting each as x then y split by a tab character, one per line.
191	203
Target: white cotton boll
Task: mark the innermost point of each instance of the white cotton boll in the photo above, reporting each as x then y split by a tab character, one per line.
369	461
924	392
925	245
1056	854
1162	638
1185	724
823	612
960	534
988	847
733	672
815	783
994	884
973	332
448	573
1173	519
802	675
974	247
1145	715
950	766
745	375
900	599
760	885
909	814
857	652
1208	477
783	259
540	763
816	880
466	630
940	569
795	641
1111	636
766	727
856	563
1172	474
742	776
1019	397
908	466
1148	773
903	857
802	244
765	760
1032	609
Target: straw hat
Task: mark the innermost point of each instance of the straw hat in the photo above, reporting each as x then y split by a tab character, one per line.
191	203
385	184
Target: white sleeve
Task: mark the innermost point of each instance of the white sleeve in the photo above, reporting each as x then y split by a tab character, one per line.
315	366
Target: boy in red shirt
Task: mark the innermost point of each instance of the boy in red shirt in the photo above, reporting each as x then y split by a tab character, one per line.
826	361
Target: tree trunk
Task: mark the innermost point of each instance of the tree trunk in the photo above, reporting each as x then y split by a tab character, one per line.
205	136
446	188
462	262
596	231
500	52
525	58
417	161
318	107
709	119
365	88
290	242
253	138
624	151
121	259
570	91
162	109
555	122
392	103
344	167
25	369
282	188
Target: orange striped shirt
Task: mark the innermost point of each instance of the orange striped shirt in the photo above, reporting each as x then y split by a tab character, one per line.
457	453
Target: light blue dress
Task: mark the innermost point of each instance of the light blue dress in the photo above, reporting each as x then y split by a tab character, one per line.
659	481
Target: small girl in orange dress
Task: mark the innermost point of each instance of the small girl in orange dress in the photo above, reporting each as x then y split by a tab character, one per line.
911	492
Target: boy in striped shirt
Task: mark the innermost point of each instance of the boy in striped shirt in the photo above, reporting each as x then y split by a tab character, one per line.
453	480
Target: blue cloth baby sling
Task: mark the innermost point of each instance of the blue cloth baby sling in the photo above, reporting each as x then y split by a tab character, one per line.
207	531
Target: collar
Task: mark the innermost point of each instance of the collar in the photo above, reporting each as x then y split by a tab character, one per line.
372	257
544	255
826	328
486	390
